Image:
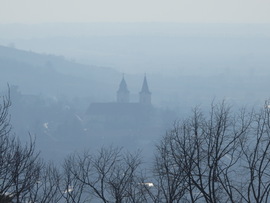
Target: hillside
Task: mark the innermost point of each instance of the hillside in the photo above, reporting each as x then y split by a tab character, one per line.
53	75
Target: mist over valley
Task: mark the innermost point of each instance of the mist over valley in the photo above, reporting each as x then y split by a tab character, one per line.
56	71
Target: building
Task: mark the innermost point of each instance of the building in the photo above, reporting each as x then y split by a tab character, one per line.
122	113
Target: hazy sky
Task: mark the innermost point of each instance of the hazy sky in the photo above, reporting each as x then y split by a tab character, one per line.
209	11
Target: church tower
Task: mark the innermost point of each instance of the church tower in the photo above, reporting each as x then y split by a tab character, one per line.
123	93
145	94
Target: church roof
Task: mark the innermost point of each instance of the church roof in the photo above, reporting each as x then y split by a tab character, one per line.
123	86
145	88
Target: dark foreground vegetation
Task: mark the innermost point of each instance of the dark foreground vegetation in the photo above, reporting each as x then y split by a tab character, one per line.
219	156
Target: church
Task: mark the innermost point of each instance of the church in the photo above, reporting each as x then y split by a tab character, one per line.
144	95
122	113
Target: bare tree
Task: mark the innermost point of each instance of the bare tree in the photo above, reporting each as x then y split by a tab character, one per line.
108	175
19	164
256	160
204	155
5	128
46	188
169	179
71	188
24	170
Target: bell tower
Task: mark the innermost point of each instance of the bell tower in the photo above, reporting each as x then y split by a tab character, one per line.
145	94
123	93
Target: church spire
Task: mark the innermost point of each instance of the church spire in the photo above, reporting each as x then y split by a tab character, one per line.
145	88
123	93
145	94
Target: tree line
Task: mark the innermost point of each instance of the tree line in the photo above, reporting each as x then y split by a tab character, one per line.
218	156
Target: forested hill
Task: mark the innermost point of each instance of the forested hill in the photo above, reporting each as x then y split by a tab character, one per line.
53	75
